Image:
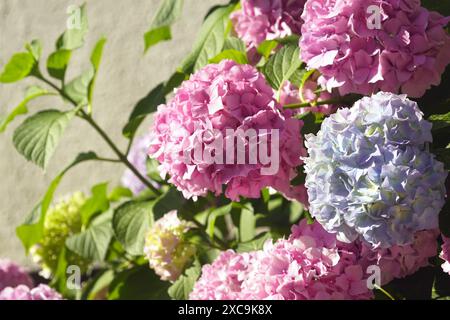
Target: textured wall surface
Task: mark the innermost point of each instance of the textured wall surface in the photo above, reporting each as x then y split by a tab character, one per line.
126	75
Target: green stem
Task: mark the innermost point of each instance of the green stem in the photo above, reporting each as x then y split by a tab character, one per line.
385	292
313	103
346	100
108	160
121	157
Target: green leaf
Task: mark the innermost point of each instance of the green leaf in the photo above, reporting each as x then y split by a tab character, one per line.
443	7
235	44
140	283
131	222
231	54
96	286
266	47
210	40
98	202
57	63
19	66
297	77
73	37
30	232
213	215
440	121
312	122
78	88
150	103
144	107
35	49
119	193
59	280
171	200
167	14
37	137
254	245
247	223
282	65
152	170
93	242
30	94
443	155
96	57
181	288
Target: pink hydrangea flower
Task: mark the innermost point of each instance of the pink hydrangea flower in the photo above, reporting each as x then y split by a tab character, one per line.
407	52
290	94
222	280
22	292
401	261
260	20
307	266
12	275
216	100
445	254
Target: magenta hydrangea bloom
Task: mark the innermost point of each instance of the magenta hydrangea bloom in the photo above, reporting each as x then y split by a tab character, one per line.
308	266
12	275
260	20
207	121
445	254
22	292
138	158
401	261
222	280
406	52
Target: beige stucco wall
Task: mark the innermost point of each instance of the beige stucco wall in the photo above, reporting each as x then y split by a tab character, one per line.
125	76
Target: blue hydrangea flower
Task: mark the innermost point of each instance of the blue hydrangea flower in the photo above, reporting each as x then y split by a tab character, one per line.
369	173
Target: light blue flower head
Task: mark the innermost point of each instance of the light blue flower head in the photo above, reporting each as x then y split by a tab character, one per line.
369	173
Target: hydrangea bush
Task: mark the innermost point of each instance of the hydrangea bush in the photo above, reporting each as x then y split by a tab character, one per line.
301	152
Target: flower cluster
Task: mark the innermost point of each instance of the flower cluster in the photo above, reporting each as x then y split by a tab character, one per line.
406	51
400	261
216	100
138	158
445	254
22	292
369	173
260	20
12	275
308	266
61	221
222	280
166	249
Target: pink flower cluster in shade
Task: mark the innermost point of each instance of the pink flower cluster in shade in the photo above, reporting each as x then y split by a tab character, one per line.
216	98
290	94
12	275
400	261
22	292
310	265
306	266
260	20
445	254
408	54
